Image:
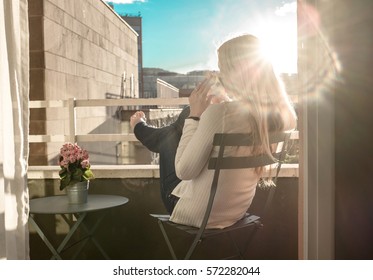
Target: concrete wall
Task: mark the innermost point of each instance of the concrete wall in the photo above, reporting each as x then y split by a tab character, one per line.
128	231
80	49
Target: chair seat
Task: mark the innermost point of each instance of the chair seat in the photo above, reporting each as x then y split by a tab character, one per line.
242	223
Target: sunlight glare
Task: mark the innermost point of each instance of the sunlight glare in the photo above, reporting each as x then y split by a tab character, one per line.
281	49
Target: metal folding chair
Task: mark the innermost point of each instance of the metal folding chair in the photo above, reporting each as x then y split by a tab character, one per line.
249	221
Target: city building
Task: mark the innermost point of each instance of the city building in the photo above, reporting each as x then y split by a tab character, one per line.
136	23
83	50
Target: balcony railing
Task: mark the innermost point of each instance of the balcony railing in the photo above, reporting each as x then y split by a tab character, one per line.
111	171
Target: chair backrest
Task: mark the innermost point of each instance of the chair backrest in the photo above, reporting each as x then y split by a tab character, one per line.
220	162
223	140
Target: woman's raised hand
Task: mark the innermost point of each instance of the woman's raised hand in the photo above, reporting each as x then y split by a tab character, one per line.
199	99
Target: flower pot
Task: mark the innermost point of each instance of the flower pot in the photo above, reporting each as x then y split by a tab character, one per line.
78	193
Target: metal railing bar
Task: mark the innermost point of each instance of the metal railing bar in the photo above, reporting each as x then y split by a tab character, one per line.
100	137
132	102
35	104
116	102
105	137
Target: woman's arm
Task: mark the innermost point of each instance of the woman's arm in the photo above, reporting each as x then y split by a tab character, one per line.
195	145
196	141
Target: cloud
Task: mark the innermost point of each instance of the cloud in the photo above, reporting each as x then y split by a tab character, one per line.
286	9
125	1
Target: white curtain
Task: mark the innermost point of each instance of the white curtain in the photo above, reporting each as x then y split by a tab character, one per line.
14	121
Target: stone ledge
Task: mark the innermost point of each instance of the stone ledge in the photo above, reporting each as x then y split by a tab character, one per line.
129	171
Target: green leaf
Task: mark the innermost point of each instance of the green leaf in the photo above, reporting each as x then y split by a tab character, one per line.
77	175
88	175
65	181
63	173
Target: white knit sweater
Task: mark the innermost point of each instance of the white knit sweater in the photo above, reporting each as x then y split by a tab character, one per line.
236	188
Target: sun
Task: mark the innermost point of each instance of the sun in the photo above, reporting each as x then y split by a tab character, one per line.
279	45
282	54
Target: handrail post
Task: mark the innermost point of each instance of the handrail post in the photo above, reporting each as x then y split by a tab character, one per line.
72	120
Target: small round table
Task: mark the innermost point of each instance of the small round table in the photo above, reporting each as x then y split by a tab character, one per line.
59	205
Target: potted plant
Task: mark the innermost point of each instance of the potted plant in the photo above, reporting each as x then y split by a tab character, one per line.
75	172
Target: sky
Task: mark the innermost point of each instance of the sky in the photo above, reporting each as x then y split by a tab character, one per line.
183	35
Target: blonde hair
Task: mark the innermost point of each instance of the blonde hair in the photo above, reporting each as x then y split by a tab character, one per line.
249	77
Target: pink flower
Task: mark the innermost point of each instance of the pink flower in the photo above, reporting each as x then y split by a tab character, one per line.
85	163
72	158
85	154
71	153
64	163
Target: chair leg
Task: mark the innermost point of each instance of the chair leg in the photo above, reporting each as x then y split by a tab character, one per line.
196	240
169	245
237	248
257	226
241	252
165	236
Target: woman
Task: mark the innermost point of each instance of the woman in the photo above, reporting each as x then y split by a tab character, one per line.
257	104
